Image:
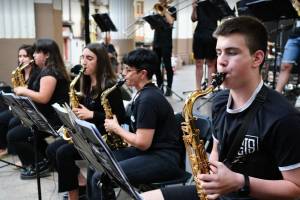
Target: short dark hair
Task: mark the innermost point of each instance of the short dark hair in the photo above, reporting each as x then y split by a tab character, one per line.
256	35
140	59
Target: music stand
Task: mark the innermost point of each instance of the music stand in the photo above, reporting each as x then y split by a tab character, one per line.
24	108
88	141
156	22
104	22
222	9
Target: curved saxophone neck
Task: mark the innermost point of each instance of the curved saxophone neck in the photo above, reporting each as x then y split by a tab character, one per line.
23	66
106	92
217	80
74	81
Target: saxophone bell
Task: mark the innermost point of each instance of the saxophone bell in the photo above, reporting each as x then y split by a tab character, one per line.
64	133
112	140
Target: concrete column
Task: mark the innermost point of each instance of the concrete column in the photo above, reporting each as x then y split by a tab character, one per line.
121	13
48	18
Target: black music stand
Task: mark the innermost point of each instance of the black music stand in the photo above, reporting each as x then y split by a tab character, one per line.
104	22
27	112
270	10
88	141
156	22
221	8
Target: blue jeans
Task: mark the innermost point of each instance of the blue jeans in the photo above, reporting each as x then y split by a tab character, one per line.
291	51
140	167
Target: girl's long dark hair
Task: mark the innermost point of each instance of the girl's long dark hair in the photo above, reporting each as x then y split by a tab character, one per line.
105	75
50	47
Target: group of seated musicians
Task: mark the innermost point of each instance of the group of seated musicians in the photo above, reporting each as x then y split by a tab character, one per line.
266	164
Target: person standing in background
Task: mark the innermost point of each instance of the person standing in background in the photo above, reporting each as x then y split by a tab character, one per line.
204	45
162	46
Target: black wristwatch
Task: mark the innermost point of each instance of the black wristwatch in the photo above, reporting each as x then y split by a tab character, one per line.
245	190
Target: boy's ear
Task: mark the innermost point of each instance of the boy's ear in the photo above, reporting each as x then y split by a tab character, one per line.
258	58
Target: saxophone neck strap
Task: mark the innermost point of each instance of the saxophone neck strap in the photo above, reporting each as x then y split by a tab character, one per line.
237	142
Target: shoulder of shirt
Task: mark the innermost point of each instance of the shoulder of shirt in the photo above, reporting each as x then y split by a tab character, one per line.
220	99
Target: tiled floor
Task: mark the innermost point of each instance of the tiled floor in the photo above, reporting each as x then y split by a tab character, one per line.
13	188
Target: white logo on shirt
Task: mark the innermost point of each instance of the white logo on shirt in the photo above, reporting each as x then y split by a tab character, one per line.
249	145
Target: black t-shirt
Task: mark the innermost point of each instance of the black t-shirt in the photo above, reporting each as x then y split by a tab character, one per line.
163	36
94	104
151	110
271	141
60	94
35	71
207	19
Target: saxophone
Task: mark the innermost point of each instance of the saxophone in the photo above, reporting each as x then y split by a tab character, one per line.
73	94
112	140
17	77
193	144
74	103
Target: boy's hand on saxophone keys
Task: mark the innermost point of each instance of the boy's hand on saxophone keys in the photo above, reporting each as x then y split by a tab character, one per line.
222	181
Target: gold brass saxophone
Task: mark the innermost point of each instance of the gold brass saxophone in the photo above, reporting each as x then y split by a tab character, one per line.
17	76
73	94
193	144
112	140
74	103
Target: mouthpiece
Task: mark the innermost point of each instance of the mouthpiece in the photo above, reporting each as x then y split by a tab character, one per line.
120	83
218	78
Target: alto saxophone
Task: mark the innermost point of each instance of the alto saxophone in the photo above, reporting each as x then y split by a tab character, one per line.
17	77
193	144
73	94
112	140
74	103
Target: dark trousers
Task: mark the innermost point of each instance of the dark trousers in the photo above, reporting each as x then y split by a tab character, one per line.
5	117
63	156
164	56
140	167
180	192
21	139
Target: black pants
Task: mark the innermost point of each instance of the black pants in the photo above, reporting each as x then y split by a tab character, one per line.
21	139
164	55
63	156
5	117
180	192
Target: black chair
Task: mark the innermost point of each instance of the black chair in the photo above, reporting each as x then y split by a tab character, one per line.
204	124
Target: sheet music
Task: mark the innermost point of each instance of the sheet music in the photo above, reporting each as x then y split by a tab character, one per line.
14	107
88	141
25	109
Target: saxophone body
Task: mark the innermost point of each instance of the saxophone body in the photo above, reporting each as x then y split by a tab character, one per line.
17	76
112	140
73	94
74	103
194	145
